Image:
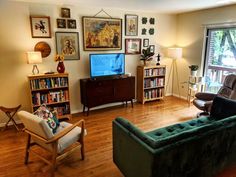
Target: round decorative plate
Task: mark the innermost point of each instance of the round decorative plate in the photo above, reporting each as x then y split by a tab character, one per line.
44	48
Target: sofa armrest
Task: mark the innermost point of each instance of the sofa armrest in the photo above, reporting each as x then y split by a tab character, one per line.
205	96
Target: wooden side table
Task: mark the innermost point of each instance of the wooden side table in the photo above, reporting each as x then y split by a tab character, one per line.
195	85
10	112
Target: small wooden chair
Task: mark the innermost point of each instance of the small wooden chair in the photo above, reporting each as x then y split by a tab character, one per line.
10	112
68	138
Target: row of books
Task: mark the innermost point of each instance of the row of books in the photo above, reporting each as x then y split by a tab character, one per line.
154	82
51	97
49	83
154	93
154	72
62	110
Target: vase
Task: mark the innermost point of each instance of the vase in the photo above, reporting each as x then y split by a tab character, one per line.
60	67
193	73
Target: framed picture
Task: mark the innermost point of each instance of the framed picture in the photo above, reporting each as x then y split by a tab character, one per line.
67	44
131	25
71	24
152	48
145	42
61	23
102	33
65	12
132	46
40	26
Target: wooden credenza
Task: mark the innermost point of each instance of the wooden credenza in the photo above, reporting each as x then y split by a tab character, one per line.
108	90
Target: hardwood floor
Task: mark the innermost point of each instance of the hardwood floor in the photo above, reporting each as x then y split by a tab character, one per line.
98	142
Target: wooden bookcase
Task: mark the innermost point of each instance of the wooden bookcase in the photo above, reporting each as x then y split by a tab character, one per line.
150	83
52	90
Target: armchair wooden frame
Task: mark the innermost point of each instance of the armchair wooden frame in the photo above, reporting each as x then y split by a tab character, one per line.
54	141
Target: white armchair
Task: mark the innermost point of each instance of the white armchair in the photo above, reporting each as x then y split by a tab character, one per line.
58	144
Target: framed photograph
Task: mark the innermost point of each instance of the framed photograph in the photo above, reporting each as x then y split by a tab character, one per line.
131	25
61	23
67	43
40	26
102	33
65	12
71	24
132	46
145	42
152	48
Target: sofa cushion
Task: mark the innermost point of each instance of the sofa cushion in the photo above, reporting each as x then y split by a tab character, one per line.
222	108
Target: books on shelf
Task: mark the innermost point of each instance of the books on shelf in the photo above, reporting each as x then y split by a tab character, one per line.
153	82
154	72
153	93
46	83
50	97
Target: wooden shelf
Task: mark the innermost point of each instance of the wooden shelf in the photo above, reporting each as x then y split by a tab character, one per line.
58	90
53	88
147	76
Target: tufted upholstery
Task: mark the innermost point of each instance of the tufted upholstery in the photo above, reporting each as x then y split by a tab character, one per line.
203	100
197	148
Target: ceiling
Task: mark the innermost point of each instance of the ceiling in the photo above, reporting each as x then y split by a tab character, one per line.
157	6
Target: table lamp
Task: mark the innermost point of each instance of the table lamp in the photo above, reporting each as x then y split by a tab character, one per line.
174	53
34	58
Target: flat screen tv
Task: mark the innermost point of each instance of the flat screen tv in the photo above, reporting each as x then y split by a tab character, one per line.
107	64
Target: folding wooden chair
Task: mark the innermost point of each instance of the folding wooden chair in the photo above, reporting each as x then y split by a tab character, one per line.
10	112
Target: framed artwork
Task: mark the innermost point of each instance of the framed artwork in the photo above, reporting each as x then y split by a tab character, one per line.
131	25
152	48
71	24
151	31
102	33
144	20
152	21
67	44
65	12
144	31
40	26
133	46
145	42
61	23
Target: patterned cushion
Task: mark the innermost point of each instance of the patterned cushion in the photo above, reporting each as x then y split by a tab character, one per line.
48	116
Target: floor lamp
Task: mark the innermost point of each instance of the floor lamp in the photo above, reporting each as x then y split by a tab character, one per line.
174	53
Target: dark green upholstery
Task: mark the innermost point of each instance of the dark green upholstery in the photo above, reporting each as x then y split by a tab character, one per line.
196	148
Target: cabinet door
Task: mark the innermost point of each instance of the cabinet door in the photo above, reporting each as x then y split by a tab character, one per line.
99	92
124	89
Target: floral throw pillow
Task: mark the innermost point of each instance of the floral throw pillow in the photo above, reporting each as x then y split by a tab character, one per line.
48	116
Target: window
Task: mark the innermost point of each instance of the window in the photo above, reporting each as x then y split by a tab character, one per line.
220	56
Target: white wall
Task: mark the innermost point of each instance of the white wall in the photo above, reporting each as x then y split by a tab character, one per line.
15	40
190	35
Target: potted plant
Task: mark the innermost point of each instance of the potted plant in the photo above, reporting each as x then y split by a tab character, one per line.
146	55
193	69
60	66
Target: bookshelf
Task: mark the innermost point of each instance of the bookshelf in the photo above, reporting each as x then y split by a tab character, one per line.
52	90
150	83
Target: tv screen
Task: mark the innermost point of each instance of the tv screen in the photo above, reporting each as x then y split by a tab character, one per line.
107	64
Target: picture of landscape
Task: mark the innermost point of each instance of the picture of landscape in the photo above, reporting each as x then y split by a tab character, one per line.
102	33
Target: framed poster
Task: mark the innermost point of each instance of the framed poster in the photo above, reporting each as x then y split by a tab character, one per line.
132	46
71	24
40	26
67	44
102	33
61	23
131	25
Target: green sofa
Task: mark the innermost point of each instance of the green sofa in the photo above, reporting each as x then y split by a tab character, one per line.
197	148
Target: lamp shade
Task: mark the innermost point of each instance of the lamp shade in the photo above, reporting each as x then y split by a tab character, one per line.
34	57
175	53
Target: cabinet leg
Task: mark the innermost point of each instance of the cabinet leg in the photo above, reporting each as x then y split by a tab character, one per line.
132	103
88	112
126	103
83	108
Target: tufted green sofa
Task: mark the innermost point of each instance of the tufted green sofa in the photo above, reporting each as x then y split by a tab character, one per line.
197	148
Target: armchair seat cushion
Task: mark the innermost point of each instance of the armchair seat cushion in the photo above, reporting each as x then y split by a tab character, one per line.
69	138
200	104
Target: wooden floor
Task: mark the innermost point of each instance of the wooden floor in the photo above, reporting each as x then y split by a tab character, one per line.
98	162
